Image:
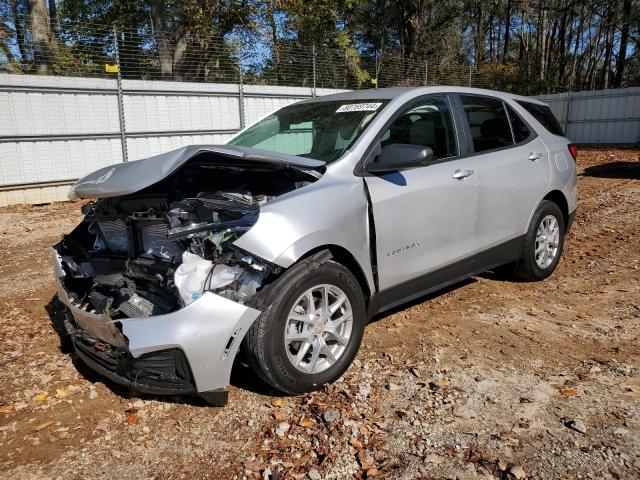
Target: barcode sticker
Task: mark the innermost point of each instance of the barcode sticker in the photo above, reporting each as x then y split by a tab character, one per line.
359	107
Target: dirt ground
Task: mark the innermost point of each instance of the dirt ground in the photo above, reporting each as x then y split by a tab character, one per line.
490	379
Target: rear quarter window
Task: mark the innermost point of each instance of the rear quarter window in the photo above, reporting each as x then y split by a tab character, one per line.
520	129
544	115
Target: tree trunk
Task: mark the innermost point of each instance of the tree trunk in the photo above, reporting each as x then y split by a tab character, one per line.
38	18
562	46
19	26
53	20
165	52
608	49
410	17
507	33
624	41
274	38
478	38
576	55
178	59
542	43
592	55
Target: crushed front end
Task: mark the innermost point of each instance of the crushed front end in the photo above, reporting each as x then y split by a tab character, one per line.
157	296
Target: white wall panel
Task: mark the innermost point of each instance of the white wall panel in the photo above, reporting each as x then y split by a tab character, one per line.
149	146
602	116
49	161
57	129
258	107
162	113
37	113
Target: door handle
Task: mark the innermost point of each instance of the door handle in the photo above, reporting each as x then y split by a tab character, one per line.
462	174
533	156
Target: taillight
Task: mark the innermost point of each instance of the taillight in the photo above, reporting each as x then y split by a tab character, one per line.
573	150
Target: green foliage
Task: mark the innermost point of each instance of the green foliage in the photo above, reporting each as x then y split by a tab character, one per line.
527	47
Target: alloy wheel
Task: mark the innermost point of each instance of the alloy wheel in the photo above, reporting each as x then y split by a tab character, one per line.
318	328
547	241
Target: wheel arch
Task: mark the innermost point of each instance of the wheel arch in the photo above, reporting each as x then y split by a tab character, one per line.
557	197
345	258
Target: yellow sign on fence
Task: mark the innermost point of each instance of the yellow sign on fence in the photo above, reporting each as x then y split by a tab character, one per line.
111	68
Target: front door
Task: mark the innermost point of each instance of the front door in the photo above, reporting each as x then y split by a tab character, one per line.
425	216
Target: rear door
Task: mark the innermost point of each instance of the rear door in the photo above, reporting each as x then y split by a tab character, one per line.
425	216
513	169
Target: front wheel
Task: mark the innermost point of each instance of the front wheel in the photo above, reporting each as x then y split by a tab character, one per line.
310	329
543	243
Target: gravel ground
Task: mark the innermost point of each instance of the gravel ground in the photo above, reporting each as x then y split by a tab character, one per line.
489	379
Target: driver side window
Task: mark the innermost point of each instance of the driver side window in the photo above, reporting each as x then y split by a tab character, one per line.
428	124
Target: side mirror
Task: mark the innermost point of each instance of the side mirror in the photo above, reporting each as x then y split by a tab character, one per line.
400	156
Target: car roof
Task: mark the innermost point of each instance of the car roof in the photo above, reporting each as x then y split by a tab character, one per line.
412	92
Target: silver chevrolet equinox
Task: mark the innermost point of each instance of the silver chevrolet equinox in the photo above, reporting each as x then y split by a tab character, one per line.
287	239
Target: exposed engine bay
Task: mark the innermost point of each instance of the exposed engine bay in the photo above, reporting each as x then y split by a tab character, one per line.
157	250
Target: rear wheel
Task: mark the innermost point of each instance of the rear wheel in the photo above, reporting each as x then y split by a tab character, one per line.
310	329
543	243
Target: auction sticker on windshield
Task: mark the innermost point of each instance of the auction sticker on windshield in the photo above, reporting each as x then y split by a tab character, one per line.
359	107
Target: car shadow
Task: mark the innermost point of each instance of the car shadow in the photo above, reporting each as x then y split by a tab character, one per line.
629	170
421	299
243	377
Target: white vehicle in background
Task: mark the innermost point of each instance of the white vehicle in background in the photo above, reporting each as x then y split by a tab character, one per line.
305	225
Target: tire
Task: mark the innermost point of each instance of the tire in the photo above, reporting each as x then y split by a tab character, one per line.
267	351
528	268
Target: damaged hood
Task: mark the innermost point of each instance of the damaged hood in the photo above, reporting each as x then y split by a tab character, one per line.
130	177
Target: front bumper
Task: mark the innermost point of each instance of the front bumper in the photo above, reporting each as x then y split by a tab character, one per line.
187	351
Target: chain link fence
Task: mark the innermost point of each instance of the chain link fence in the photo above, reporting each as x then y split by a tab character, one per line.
93	50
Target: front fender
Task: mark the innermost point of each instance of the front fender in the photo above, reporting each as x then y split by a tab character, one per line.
332	211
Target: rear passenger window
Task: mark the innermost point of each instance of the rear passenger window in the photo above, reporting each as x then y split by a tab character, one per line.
488	122
429	124
520	129
544	115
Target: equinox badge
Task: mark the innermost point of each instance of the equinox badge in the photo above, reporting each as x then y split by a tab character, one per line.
391	253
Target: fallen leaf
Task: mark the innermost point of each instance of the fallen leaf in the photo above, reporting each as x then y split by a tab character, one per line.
367	461
8	409
279	414
442	383
307	422
278	402
62	392
356	443
133	418
254	466
474	457
41	397
44	425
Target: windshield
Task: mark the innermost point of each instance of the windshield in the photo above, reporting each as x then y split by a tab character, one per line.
320	130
